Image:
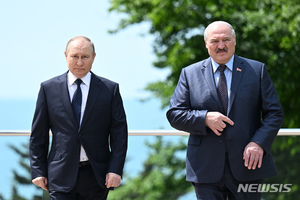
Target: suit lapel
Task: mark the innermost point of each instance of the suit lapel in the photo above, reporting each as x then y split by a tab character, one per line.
62	87
209	77
94	92
237	74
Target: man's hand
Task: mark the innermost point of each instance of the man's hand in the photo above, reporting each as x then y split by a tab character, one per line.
216	122
41	182
112	180
253	155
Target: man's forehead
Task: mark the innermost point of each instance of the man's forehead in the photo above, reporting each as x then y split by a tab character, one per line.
219	36
220	32
79	46
76	50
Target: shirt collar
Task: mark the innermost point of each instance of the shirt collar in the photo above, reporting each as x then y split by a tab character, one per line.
86	79
229	64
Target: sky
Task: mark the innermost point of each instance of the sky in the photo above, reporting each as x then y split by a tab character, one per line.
34	34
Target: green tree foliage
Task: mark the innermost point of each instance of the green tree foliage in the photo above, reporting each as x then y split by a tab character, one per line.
267	30
286	151
23	179
163	171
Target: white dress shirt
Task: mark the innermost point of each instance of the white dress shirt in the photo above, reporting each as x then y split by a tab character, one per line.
85	86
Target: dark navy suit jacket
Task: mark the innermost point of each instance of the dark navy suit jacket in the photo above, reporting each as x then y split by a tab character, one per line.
254	107
103	133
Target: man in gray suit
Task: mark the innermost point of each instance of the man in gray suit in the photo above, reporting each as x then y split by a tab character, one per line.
230	107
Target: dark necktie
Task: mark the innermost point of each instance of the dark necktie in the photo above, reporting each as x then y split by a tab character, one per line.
223	95
76	101
222	88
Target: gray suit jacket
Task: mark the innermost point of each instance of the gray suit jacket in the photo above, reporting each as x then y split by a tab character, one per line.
254	107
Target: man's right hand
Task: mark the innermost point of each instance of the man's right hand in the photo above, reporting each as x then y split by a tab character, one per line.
41	182
216	122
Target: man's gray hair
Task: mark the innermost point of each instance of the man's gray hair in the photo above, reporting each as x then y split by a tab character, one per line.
218	22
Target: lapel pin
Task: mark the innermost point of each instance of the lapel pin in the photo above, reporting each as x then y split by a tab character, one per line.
238	69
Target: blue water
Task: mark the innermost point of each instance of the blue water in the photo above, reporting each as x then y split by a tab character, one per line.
16	114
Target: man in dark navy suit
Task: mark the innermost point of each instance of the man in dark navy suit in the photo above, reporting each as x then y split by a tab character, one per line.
86	117
230	107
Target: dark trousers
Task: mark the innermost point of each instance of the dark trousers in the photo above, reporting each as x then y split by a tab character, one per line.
225	189
86	188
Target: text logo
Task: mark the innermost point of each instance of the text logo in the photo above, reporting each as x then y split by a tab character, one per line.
259	187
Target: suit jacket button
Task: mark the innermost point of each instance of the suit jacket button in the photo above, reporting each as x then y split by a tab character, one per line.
220	141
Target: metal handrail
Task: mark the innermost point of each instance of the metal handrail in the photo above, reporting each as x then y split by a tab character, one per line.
158	132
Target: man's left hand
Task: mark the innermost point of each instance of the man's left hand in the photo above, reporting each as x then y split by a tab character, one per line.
253	155
112	180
